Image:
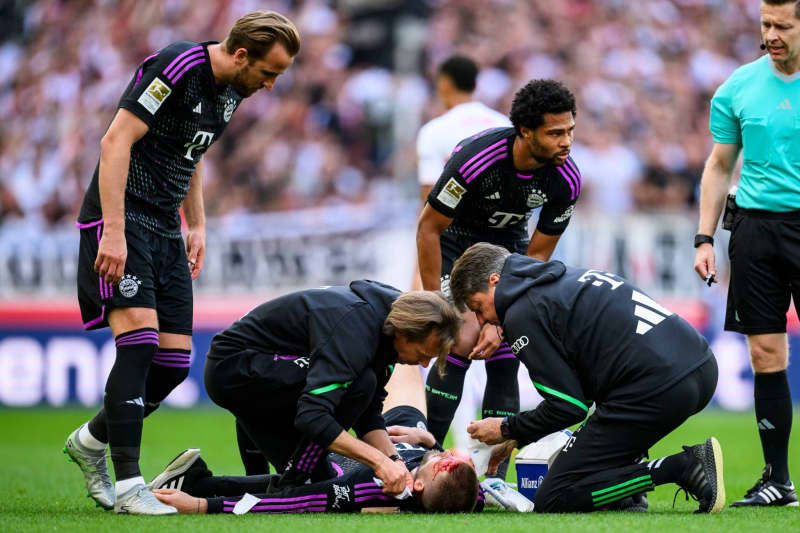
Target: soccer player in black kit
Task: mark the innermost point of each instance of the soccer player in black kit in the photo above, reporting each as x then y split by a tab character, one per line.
298	371
487	192
443	481
134	272
586	337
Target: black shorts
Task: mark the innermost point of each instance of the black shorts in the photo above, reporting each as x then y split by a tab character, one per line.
156	277
407	416
764	252
455	244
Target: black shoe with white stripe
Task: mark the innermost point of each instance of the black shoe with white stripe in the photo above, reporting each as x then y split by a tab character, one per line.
702	479
181	471
767	492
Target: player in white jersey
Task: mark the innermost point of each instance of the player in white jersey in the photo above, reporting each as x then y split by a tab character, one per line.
455	85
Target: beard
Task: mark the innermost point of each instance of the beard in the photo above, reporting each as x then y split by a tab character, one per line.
240	85
543	156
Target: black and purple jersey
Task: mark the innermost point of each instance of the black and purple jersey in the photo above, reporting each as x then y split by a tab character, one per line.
354	489
174	92
488	198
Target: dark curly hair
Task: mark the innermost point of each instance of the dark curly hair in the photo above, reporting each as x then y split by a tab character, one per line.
537	98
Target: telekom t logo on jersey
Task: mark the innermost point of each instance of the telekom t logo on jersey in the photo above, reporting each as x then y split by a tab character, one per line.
201	138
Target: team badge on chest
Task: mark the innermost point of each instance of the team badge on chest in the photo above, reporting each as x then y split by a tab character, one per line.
230	107
536	198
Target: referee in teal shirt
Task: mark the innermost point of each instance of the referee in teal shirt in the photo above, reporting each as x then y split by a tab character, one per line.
757	111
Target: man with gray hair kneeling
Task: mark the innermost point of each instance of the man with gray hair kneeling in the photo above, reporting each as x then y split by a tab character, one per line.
298	371
588	336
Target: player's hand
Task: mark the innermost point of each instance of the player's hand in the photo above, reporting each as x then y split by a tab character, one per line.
489	340
704	262
411	435
395	476
487	430
196	250
111	255
499	454
181	501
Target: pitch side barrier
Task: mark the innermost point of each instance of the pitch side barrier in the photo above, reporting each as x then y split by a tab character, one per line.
46	358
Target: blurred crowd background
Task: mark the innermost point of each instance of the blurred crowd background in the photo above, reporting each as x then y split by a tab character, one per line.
339	127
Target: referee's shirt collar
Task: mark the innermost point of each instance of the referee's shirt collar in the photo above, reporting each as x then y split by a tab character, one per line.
781	76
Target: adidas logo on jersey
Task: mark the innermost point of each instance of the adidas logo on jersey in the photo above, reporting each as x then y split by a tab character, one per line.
649	313
198	108
494	196
136	401
785	104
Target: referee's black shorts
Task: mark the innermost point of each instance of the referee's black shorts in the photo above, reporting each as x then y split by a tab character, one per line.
156	277
764	253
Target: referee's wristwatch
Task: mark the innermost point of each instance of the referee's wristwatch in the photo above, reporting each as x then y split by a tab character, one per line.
702	238
505	431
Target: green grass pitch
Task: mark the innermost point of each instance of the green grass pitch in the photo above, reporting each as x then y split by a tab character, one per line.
41	491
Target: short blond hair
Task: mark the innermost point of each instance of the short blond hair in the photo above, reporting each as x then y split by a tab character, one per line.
258	31
417	314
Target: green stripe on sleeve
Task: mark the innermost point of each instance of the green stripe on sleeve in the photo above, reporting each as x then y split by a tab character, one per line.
565	397
332	386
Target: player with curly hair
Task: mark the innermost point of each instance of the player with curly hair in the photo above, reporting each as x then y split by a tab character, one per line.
488	190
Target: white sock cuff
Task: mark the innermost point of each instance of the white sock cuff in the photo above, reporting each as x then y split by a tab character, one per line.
87	440
121	487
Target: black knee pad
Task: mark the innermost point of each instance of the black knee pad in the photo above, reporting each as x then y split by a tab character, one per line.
545	500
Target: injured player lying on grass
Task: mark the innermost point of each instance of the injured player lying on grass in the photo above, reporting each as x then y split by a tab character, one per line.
443	481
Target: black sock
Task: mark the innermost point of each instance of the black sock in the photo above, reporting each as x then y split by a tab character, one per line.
443	394
669	469
124	399
501	396
98	426
170	367
774	415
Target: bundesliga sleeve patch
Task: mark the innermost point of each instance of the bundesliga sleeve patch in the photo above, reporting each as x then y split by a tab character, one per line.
155	94
451	194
